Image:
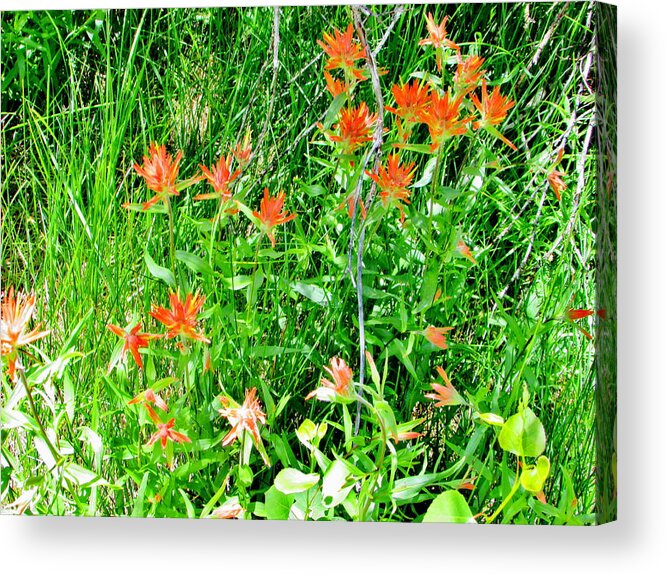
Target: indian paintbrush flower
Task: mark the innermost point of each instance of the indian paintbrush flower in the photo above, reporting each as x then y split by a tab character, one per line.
165	432
134	340
343	51
244	418
342	386
354	128
181	319
443	118
493	110
410	101
437	335
16	314
444	394
243	151
220	177
554	177
270	214
148	397
468	75
437	38
393	181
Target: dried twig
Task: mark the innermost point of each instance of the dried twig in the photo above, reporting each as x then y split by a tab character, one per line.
375	151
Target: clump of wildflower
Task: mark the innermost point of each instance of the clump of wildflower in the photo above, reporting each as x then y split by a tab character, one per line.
437	335
220	177
244	418
341	389
493	110
437	38
393	181
354	128
411	100
343	51
444	394
443	118
133	341
468	75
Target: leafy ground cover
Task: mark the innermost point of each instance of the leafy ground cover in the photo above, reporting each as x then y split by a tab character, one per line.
300	263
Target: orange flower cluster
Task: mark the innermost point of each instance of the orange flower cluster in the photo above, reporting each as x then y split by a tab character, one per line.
343	52
245	418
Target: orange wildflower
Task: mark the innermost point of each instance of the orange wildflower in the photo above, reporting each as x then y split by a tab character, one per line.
244	418
437	335
148	397
468	75
343	51
493	110
350	206
181	319
555	176
354	127
392	181
574	314
270	214
335	87
165	432
410	100
341	388
160	172
220	177
16	314
230	509
443	118
444	394
463	250
243	151
133	341
437	37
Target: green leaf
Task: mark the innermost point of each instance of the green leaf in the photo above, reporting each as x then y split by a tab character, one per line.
137	510
449	507
386	416
491	418
191	514
294	481
523	434
333	109
335	486
534	476
194	262
313	292
277	504
159	272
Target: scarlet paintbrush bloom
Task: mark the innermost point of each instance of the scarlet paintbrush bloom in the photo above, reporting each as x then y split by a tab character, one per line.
165	432
468	75
341	388
493	110
556	183
437	37
270	214
555	176
243	151
343	51
443	118
244	418
574	314
148	397
463	250
220	177
160	172
335	87
410	100
444	394
134	340
16	314
392	181
354	127
181	319
437	335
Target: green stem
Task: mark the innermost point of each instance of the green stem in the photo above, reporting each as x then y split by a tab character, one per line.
516	485
172	241
33	408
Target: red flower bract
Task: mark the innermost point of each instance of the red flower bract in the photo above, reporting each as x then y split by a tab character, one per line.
160	172
340	388
392	181
444	394
343	51
443	118
220	177
16	314
437	37
493	110
244	418
354	127
134	340
181	319
270	213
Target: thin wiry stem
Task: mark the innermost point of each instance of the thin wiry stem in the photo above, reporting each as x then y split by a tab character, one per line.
375	151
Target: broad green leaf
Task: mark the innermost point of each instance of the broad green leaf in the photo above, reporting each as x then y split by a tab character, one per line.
523	434
335	485
313	292
333	109
428	172
534	476
159	272
194	262
449	507
294	481
277	504
386	416
306	432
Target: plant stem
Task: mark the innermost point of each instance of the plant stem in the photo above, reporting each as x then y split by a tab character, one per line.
516	485
172	241
52	449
